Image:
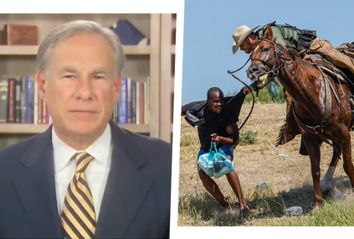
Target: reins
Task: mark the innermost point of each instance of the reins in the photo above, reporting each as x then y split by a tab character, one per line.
275	72
253	98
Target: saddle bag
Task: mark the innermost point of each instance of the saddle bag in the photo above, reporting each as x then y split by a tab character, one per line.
305	39
297	39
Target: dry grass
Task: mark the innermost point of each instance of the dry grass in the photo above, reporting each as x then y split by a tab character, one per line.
284	170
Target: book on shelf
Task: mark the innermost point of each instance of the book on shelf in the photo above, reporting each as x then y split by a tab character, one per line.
20	102
129	100
35	103
18	93
29	99
129	34
20	34
131	105
133	102
3	99
140	96
11	91
122	104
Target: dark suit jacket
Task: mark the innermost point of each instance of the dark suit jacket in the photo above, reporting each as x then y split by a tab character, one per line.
136	201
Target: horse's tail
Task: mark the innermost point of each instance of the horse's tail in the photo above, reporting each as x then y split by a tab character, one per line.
281	136
290	128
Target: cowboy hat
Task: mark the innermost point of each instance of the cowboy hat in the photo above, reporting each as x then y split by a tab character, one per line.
240	35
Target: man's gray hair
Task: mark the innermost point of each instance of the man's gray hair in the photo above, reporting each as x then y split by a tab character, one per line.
72	28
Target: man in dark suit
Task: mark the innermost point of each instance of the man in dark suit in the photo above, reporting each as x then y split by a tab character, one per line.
84	177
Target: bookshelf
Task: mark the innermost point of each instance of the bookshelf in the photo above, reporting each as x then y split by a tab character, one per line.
167	74
151	63
32	50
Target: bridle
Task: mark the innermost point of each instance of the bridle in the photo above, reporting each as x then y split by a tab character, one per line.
274	72
278	53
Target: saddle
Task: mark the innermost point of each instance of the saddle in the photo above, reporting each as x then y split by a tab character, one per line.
336	62
341	56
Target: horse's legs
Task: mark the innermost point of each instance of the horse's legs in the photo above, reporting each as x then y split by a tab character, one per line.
327	182
288	100
313	148
347	156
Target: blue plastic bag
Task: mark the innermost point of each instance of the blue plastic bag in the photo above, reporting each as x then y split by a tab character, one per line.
215	163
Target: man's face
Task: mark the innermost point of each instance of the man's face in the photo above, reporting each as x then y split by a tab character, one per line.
215	102
247	45
80	86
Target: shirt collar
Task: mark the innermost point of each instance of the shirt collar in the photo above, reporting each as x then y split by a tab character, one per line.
100	149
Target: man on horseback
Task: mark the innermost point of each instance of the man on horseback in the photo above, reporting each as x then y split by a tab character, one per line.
293	38
301	41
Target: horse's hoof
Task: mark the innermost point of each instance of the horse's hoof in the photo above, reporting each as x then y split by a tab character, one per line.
316	208
326	187
327	192
318	203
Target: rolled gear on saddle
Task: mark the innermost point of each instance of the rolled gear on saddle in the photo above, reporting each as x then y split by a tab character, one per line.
333	55
347	48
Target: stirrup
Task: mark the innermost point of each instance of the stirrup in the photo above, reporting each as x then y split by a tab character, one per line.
351	101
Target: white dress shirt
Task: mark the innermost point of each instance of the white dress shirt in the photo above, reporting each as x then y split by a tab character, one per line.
96	172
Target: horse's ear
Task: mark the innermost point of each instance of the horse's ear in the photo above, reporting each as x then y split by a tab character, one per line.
268	33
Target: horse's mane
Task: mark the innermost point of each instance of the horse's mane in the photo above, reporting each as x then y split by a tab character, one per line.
305	67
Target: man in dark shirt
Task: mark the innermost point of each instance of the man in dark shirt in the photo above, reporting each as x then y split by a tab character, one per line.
216	121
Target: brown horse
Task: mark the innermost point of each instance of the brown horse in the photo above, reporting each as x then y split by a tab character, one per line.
320	105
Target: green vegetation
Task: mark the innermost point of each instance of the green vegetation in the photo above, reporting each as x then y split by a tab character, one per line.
199	208
247	137
266	209
330	214
271	93
187	140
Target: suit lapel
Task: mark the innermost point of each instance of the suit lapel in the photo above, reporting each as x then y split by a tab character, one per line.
36	187
126	188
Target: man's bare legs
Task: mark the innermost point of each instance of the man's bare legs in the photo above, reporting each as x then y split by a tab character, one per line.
212	188
234	182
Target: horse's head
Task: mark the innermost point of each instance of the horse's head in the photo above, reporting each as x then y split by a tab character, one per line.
264	60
